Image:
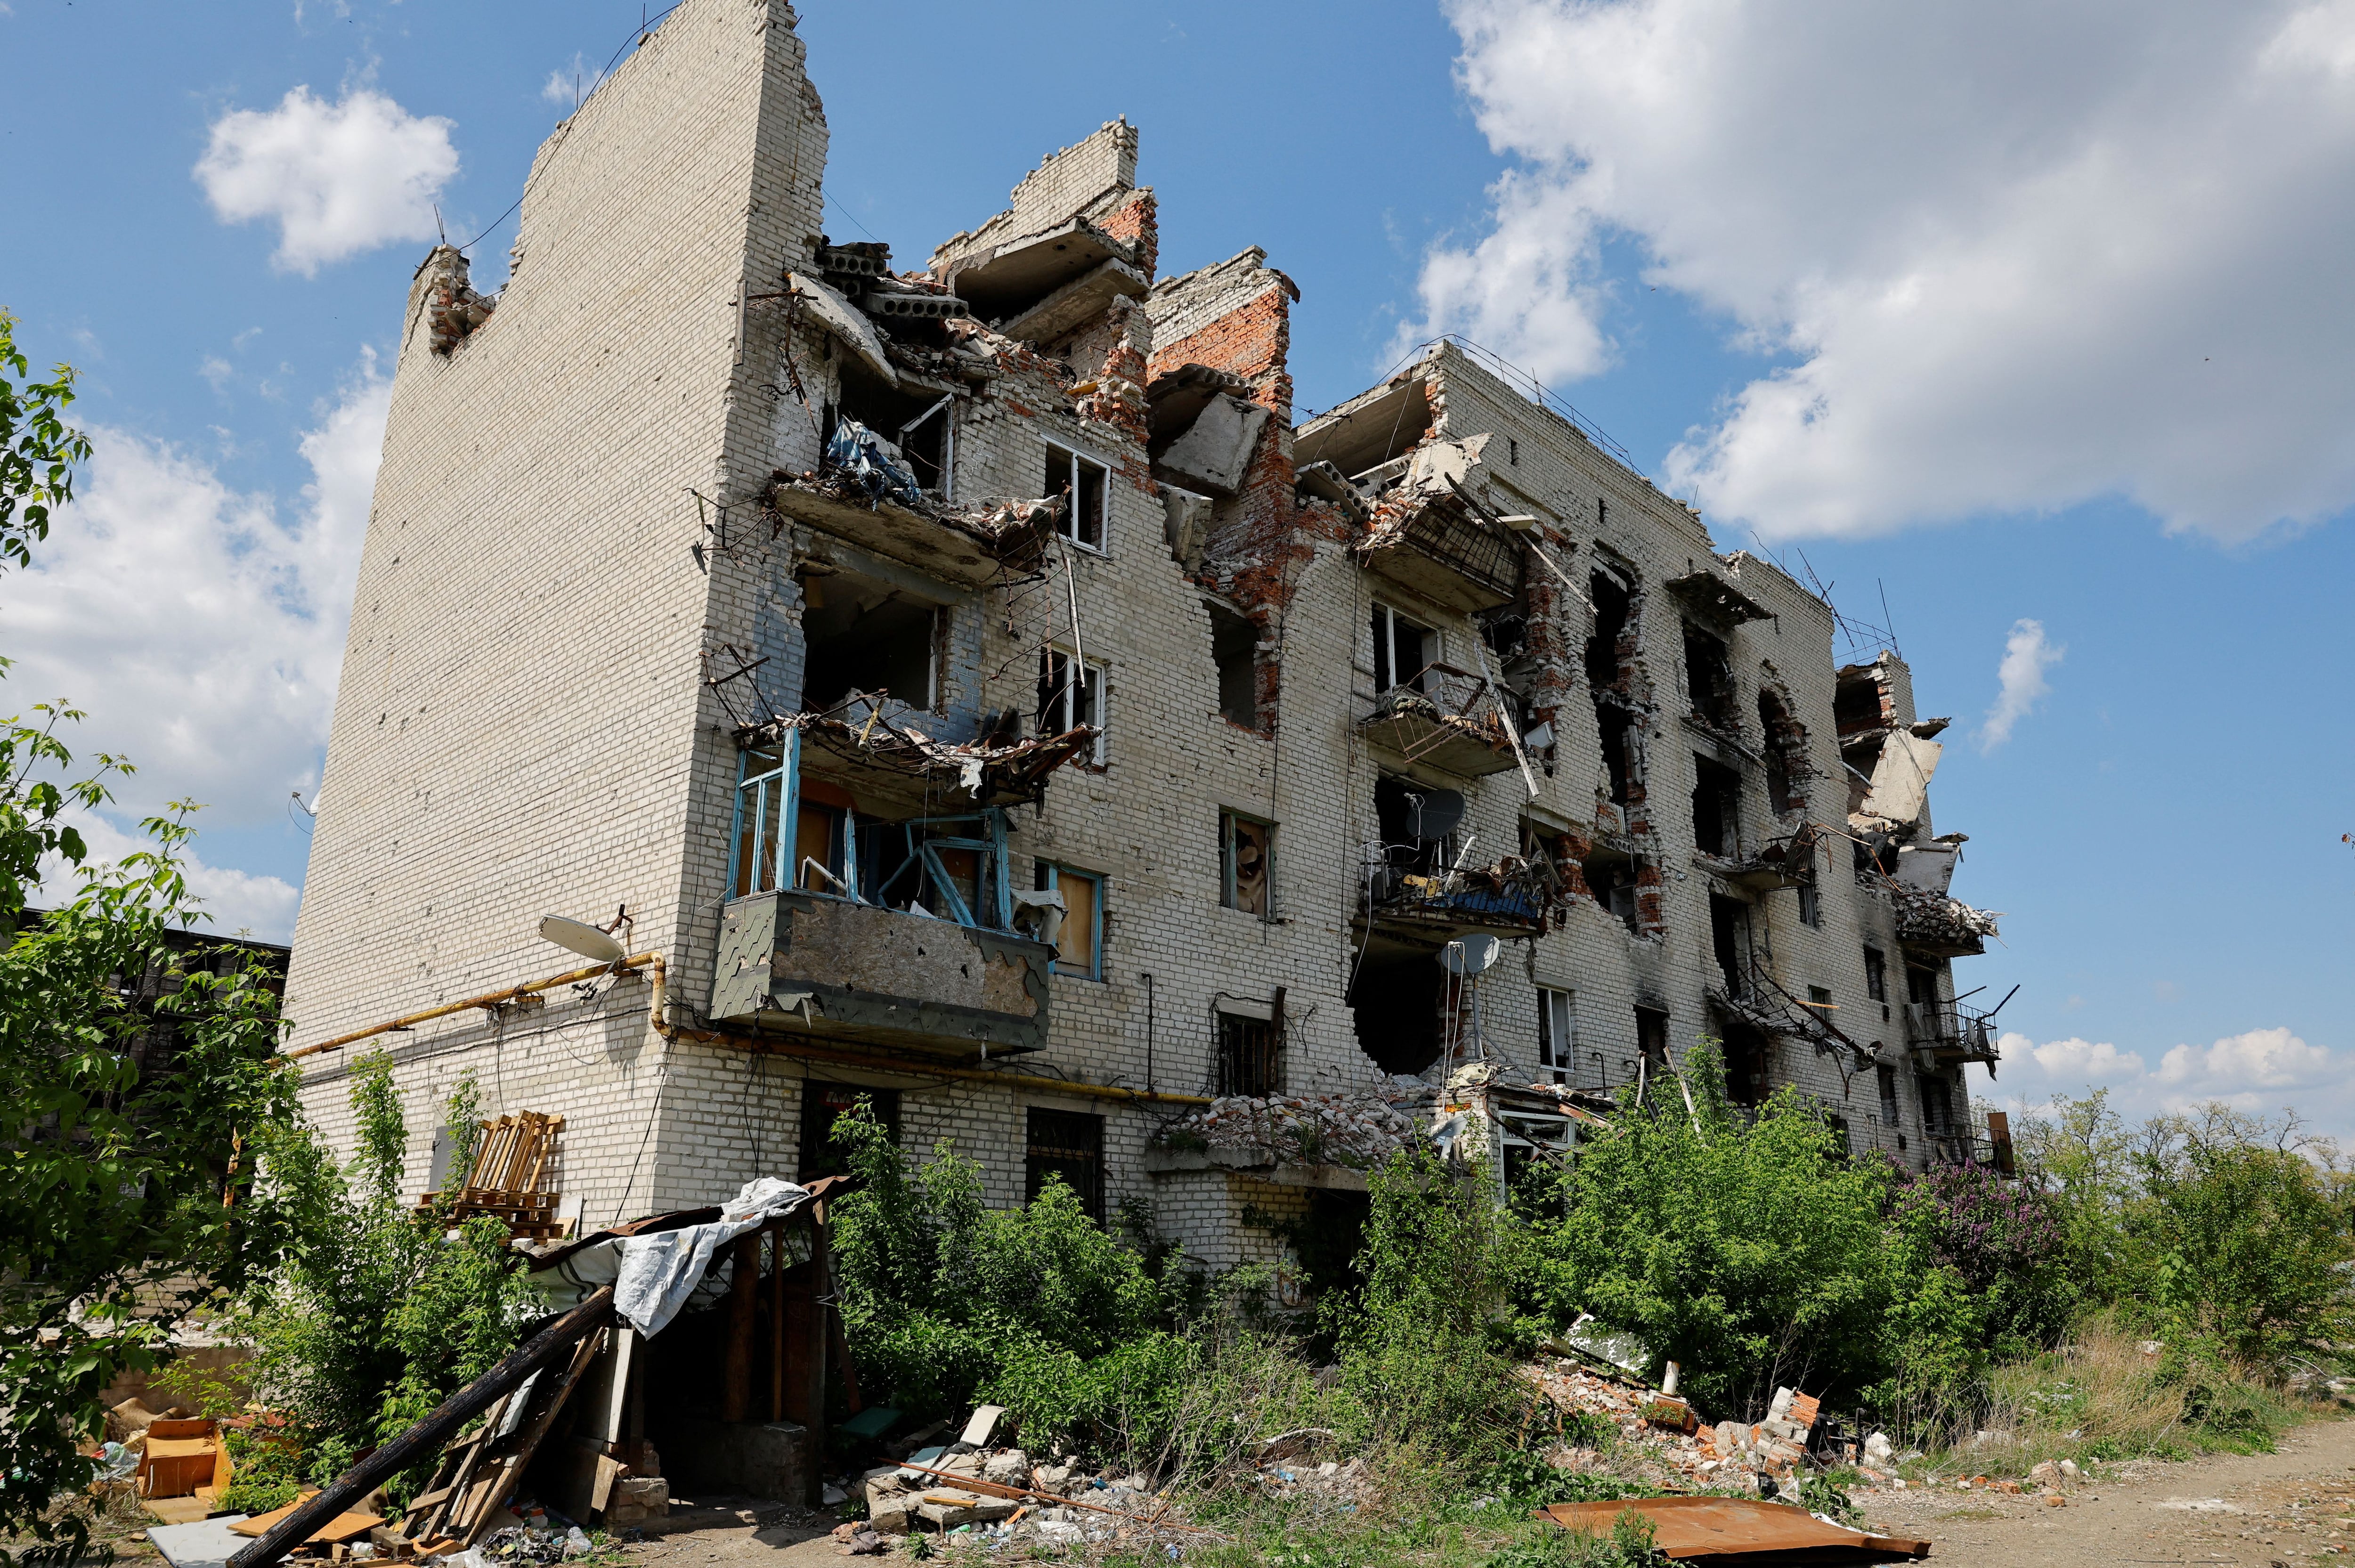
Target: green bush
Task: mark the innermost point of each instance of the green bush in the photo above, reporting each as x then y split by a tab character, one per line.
948	1303
378	1314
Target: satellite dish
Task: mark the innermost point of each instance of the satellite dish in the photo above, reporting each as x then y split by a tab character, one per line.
1434	812
1470	954
586	940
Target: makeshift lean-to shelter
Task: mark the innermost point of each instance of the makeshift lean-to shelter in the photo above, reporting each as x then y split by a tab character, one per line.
693	1346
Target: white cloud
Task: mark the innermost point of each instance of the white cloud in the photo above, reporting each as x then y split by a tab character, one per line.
202	636
2261	1058
238	902
340	177
2019	255
2075	1060
2020	680
567	85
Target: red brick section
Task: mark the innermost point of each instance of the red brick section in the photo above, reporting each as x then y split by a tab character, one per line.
1137	222
1252	341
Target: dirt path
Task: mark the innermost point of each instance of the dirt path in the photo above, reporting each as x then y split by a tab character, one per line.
2291	1507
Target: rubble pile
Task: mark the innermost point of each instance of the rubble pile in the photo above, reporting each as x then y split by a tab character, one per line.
943	1491
1355	1130
1664	1432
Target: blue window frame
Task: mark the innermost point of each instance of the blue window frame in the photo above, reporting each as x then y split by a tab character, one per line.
1079	938
953	868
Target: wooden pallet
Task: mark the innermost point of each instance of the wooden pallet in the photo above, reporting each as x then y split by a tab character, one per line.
511	1155
478	1472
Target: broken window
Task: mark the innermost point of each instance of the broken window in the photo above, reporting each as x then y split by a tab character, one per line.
1402	650
1613	600
1068	1144
1717	809
1921	983
1088	484
1079	938
1397	1006
1251	1051
1937	1106
1820	1003
822	1105
1857	700
1746	1063
1887	1078
1415	822
1652	1039
1876	974
1811	905
950	866
1070	694
1729	928
1246	862
863	635
1786	754
1557	1033
1616	728
760	820
1234	649
824	838
1610	877
1709	676
917	428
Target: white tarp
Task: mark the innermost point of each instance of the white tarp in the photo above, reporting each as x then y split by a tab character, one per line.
657	1277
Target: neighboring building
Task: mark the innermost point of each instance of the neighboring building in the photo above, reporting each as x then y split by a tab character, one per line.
720	572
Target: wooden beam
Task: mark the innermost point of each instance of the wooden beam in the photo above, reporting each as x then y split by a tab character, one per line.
736	1361
429	1435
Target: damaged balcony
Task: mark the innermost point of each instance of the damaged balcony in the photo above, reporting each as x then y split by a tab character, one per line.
1946	1032
1041	285
1941	927
1429	536
866	910
865	493
1443	717
1785	862
1506	898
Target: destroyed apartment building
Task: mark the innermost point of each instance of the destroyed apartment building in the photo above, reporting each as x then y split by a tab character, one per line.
964	680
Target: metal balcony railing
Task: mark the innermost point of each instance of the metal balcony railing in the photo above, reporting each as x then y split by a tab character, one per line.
1950	1033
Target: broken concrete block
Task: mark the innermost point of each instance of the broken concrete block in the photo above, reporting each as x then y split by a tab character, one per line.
1215	450
1007	1467
889	1511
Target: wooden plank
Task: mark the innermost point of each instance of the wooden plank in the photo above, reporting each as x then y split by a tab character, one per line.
527	1442
736	1357
390	1459
776	1230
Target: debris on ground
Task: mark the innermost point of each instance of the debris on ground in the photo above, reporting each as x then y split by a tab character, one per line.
1741	1529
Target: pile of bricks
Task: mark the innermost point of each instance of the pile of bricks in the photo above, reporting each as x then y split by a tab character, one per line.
1356	1130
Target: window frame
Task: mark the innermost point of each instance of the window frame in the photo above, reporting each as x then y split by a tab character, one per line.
1036	1167
1052	875
1093	684
1228	819
1233	1022
1811	906
1072	530
784	799
1382	627
1556	1055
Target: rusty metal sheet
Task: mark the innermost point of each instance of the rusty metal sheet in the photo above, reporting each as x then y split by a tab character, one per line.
1732	1533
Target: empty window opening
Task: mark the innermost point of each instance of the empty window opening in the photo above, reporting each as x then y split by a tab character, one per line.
1513	451
1652	1041
1843	1141
1234	650
1616	727
1886	1077
866	635
1811	905
1070	694
1611	876
1876	974
1246	864
917	428
825	1104
1612	599
1746	1063
1088	484
1066	1145
1859	700
1078	936
1557	1034
1709	676
1717	809
1251	1054
951	867
1729	932
1403	651
1399	1007
1786	754
1921	983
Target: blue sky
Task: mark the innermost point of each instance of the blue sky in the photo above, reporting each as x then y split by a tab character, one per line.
2012	317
